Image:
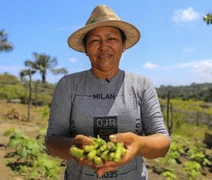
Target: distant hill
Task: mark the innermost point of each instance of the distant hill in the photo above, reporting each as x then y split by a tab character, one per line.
194	91
12	87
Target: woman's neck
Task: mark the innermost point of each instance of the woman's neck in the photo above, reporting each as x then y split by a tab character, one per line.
104	74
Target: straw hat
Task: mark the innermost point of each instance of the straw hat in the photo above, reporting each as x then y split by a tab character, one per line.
103	16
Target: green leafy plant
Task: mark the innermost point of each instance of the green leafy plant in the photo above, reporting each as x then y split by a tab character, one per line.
169	175
170	161
193	169
195	155
45	167
32	159
173	155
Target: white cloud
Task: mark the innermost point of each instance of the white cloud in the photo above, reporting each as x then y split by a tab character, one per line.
203	67
182	73
188	50
203	70
198	66
185	15
150	66
73	60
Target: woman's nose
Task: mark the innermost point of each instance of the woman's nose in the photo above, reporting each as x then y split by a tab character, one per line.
102	45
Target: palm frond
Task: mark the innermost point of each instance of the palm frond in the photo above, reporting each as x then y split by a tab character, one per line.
4	44
31	64
208	18
59	71
26	72
43	63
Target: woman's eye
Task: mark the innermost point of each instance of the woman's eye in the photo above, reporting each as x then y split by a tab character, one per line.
112	38
93	40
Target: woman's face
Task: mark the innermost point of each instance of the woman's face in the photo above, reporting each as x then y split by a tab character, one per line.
104	47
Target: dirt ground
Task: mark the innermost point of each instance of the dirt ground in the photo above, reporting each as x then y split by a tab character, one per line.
29	129
6	173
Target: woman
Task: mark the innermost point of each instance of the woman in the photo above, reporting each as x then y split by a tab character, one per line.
106	101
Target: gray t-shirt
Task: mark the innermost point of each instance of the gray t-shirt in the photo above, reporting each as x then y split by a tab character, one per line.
83	104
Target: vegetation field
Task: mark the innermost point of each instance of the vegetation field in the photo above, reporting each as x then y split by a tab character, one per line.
23	155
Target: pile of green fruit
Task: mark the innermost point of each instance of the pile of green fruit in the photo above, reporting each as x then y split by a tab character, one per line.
100	151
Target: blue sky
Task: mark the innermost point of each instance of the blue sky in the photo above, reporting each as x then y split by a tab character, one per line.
175	46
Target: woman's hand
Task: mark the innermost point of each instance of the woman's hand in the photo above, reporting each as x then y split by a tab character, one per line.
151	147
131	143
80	141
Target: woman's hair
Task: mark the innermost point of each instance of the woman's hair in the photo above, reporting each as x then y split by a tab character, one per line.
123	37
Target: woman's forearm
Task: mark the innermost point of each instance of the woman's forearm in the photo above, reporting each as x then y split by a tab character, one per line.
153	146
59	146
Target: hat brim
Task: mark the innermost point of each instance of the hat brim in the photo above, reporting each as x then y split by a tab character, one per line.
75	40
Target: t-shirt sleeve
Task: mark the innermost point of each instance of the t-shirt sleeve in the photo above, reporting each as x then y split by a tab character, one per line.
152	117
59	119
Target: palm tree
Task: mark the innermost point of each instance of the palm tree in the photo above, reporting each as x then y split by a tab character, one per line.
208	18
4	44
23	73
44	63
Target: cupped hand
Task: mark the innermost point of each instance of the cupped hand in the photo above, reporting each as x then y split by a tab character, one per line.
131	143
80	141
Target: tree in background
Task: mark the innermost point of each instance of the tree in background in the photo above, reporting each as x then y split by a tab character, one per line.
23	73
4	44
44	63
208	18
